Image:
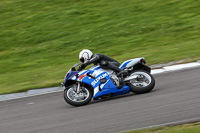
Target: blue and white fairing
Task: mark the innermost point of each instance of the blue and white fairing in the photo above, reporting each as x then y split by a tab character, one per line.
70	74
99	89
129	63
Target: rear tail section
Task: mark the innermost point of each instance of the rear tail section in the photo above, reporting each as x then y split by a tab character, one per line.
130	63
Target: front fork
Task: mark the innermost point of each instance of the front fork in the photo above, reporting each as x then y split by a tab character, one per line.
78	88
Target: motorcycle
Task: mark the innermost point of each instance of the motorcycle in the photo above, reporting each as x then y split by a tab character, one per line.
97	83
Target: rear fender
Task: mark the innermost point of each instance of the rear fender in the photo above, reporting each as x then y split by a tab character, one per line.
141	66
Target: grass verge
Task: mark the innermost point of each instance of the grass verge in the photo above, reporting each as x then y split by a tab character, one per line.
185	128
41	40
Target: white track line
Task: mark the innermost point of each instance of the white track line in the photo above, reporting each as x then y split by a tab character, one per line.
175	67
13	96
37	92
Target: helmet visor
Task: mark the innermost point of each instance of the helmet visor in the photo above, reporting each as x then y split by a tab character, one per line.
82	59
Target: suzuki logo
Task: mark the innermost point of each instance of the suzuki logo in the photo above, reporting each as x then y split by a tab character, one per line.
97	79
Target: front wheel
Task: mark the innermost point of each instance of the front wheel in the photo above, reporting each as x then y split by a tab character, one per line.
77	99
142	82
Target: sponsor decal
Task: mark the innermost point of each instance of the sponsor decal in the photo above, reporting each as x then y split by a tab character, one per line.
81	77
125	64
98	78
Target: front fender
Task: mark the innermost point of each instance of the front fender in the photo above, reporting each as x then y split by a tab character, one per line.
68	78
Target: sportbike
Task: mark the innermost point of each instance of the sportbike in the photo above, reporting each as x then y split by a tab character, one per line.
97	83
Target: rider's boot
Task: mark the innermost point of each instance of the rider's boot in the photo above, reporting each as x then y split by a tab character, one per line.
122	73
120	83
121	76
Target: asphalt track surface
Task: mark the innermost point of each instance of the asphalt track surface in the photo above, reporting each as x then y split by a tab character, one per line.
176	97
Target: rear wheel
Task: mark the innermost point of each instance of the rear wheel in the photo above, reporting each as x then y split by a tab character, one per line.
77	99
143	83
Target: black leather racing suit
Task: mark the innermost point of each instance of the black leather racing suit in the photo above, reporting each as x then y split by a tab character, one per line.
105	62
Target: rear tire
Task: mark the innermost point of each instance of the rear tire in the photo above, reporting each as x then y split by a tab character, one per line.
146	86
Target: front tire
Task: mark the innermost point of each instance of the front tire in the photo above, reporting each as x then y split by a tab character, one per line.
74	99
144	83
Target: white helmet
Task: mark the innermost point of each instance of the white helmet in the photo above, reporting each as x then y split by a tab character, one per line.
85	55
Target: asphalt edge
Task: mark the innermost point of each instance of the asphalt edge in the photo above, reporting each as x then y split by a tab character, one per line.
35	92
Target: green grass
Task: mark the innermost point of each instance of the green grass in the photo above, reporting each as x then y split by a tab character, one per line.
41	39
185	128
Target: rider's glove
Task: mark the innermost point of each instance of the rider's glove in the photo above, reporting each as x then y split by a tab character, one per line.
81	67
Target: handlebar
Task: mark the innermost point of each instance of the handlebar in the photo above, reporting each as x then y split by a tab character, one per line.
89	75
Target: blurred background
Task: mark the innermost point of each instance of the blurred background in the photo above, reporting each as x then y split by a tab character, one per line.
41	40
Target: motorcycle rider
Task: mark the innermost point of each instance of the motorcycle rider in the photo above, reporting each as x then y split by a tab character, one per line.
87	58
